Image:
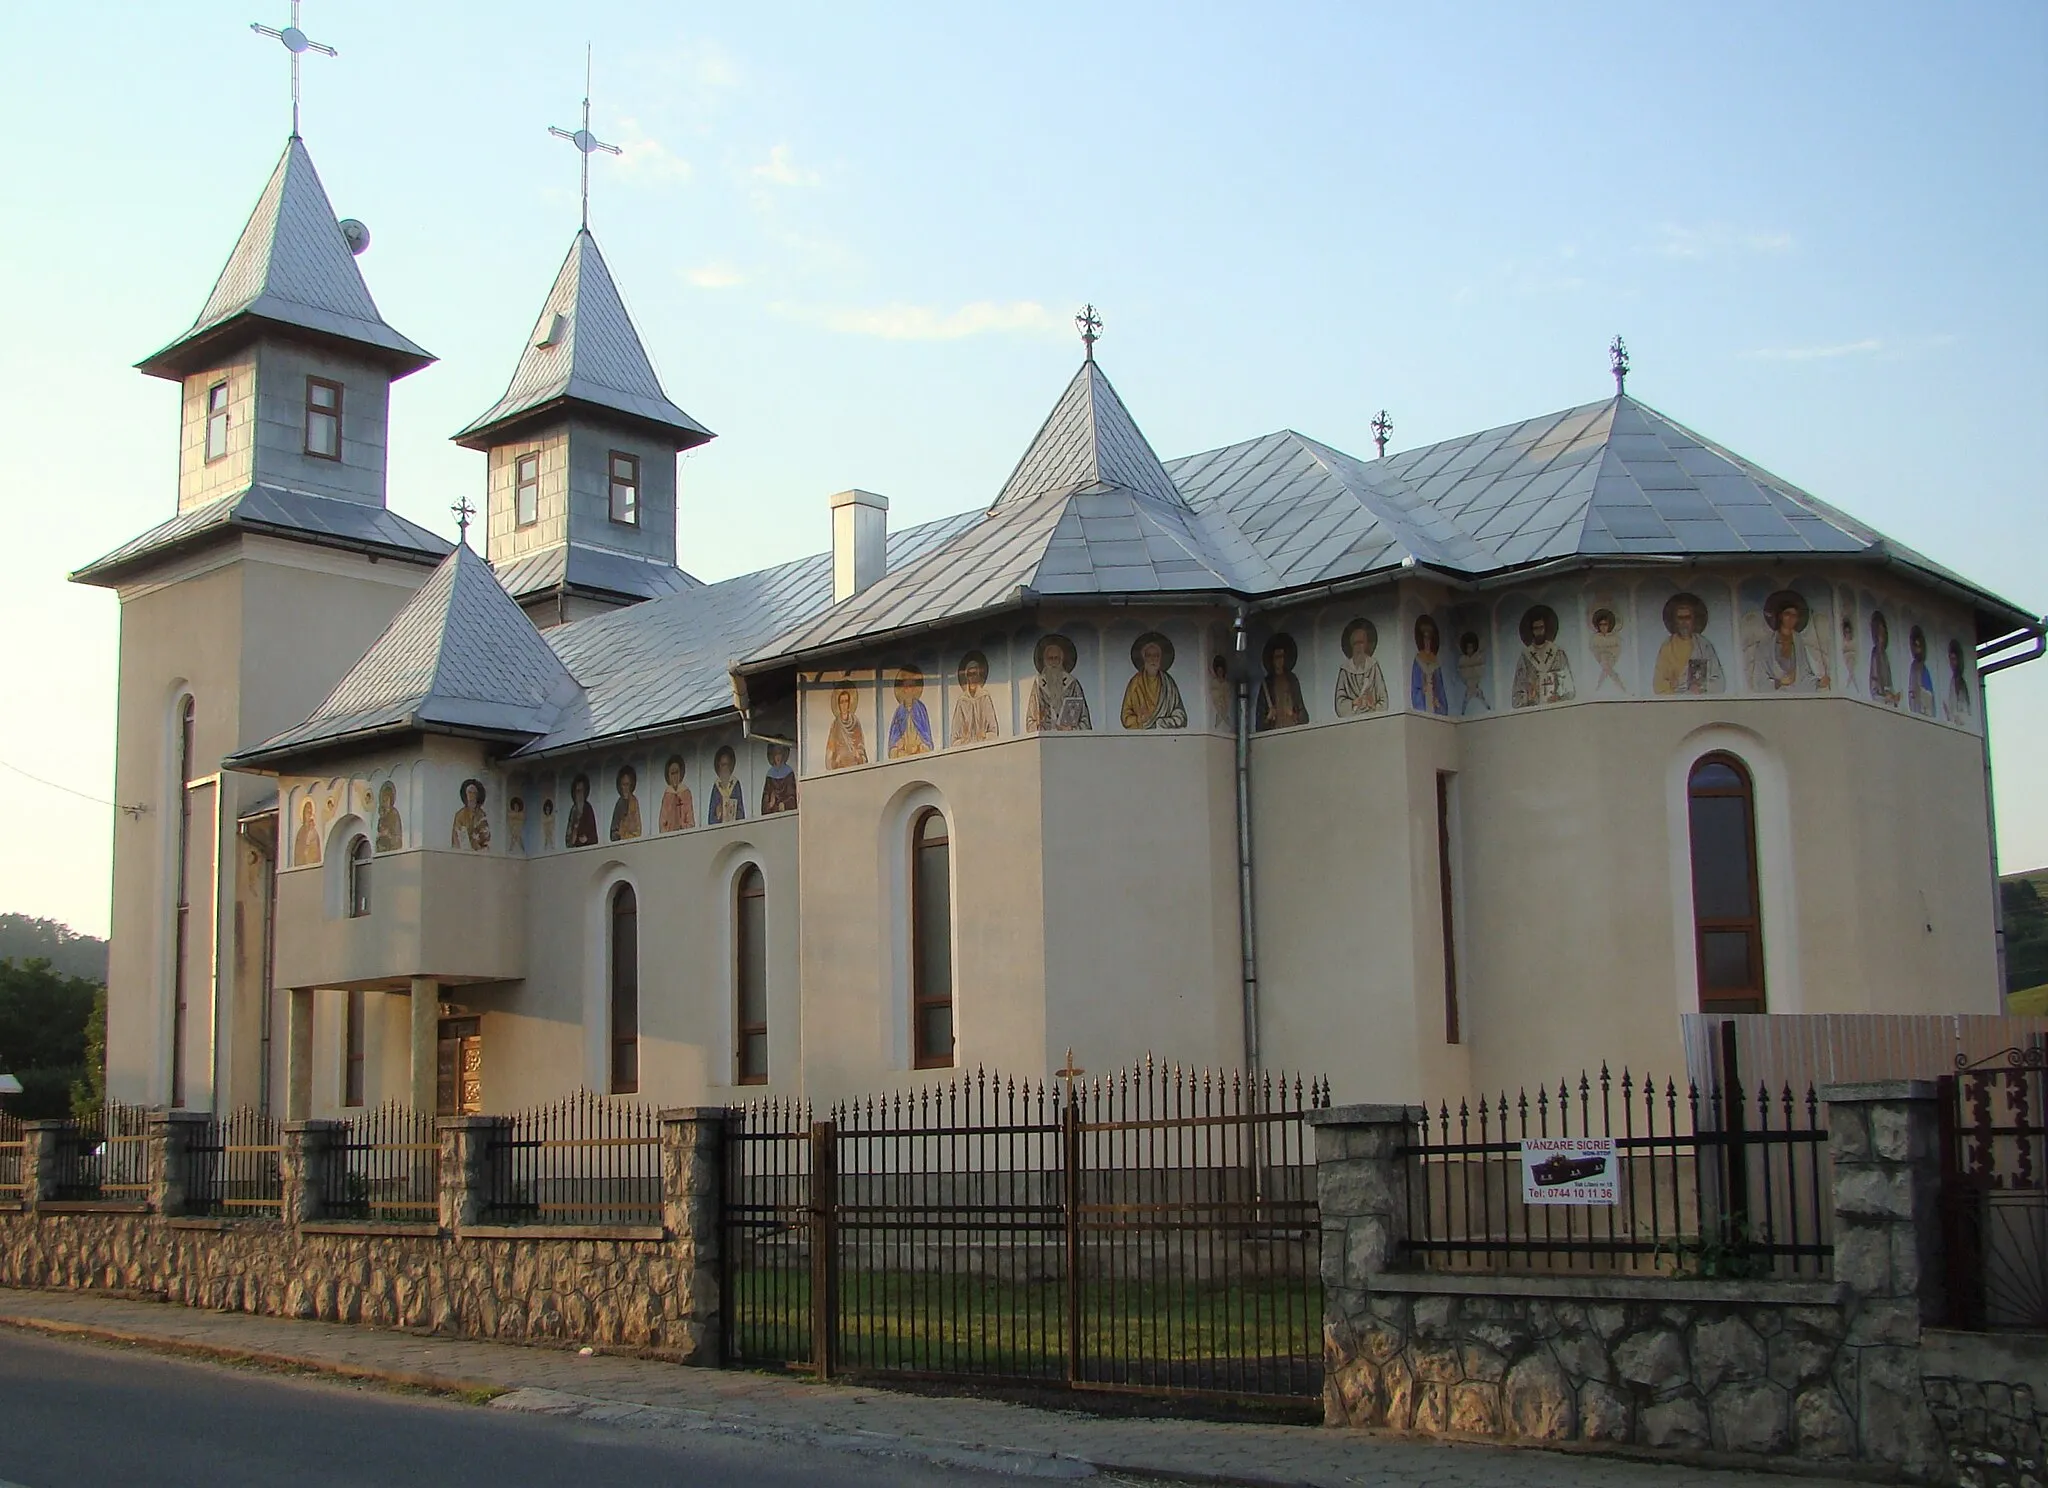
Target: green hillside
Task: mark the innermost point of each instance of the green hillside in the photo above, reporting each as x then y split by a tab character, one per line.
2025	897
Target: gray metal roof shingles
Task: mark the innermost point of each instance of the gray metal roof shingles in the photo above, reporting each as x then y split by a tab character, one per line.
261	508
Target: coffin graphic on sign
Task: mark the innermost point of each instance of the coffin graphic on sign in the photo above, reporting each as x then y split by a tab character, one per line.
1569	1170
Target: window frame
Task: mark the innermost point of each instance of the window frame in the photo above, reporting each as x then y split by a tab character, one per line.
1446	846
749	884
1756	998
216	416
521	486
614	482
354	1043
622	902
188	716
356	881
313	411
920	999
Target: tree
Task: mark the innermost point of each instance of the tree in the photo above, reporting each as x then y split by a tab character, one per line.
44	1032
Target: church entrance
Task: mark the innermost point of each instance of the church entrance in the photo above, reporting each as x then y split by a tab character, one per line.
459	1073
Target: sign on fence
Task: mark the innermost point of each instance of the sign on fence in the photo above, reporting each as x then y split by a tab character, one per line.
1569	1170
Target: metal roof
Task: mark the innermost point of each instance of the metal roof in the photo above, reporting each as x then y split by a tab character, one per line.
330	521
584	350
582	567
290	267
460	656
1088	439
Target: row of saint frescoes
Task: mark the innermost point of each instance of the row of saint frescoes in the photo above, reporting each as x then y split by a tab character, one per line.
383	801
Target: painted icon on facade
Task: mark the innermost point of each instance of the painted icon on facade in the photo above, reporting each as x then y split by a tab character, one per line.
390	826
1219	693
515	824
1057	705
1279	704
1361	685
1472	696
306	842
1882	688
1687	663
678	811
727	801
1428	690
582	831
1958	695
1789	656
910	726
471	828
1919	678
1152	698
845	744
974	710
778	786
1847	610
1604	624
626	809
1543	673
547	823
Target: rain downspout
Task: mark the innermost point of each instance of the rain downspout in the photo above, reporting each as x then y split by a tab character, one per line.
1244	848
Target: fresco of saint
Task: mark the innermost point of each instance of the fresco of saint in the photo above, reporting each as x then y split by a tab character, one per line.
515	825
1687	664
390	827
778	786
547	823
1919	680
1219	693
1848	644
1543	674
1958	685
626	810
845	744
306	842
678	811
1427	691
582	818
910	727
727	801
1787	658
1472	675
1279	703
1361	685
974	711
471	828
1057	705
1882	688
1152	697
1606	648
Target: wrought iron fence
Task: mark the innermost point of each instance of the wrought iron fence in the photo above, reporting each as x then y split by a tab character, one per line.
11	1149
386	1165
1710	1184
1153	1230
105	1158
587	1160
237	1167
1994	1190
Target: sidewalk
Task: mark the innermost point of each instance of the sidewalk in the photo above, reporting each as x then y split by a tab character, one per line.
642	1394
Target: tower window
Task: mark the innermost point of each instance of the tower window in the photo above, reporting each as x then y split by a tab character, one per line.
1727	921
625	990
625	488
750	978
323	418
216	421
359	878
931	942
526	490
352	1050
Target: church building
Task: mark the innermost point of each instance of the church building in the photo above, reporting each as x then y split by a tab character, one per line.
1456	766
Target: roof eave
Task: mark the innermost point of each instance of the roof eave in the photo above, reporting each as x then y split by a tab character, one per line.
196	350
489	432
266	760
103	575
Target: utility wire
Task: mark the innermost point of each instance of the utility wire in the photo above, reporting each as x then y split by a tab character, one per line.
82	795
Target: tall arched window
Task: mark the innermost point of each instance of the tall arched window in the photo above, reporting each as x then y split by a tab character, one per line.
359	878
625	990
182	928
931	942
1727	918
750	977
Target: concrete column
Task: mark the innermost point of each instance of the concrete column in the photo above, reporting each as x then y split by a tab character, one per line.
310	1151
1884	1145
693	1196
426	1043
298	1077
467	1160
39	1161
172	1175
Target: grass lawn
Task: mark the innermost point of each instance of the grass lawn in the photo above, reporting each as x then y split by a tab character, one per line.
2033	1002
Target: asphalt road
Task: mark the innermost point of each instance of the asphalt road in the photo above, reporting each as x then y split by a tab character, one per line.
91	1416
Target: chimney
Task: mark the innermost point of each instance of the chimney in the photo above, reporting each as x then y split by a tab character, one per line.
860	532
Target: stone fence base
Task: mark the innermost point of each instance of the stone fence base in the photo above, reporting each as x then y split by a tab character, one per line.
1989	1395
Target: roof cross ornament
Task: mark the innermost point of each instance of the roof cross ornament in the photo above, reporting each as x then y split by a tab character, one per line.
297	43
463	512
585	142
1091	329
1382	429
1617	362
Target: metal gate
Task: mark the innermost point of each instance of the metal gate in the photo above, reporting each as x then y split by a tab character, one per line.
1994	1190
1153	1231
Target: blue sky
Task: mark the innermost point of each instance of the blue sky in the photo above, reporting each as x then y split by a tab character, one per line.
853	238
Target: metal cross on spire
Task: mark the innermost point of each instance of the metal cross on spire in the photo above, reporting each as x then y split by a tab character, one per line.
1617	362
463	512
1091	329
584	141
297	43
1382	428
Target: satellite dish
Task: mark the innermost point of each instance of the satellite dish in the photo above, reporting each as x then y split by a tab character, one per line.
356	235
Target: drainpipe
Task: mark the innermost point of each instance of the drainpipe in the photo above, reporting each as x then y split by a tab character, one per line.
1244	848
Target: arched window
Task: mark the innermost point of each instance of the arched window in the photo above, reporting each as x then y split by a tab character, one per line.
182	928
1727	919
359	878
625	990
750	977
931	942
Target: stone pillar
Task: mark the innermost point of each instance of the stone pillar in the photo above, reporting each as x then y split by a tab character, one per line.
1363	1197
172	1136
39	1161
298	1057
467	1158
310	1152
1884	1143
693	1194
426	1044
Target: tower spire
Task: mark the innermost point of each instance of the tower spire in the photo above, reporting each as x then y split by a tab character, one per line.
1617	363
1091	330
584	141
297	43
1382	428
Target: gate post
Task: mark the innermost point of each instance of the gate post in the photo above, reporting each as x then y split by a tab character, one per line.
1070	1207
39	1161
824	1247
693	1158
